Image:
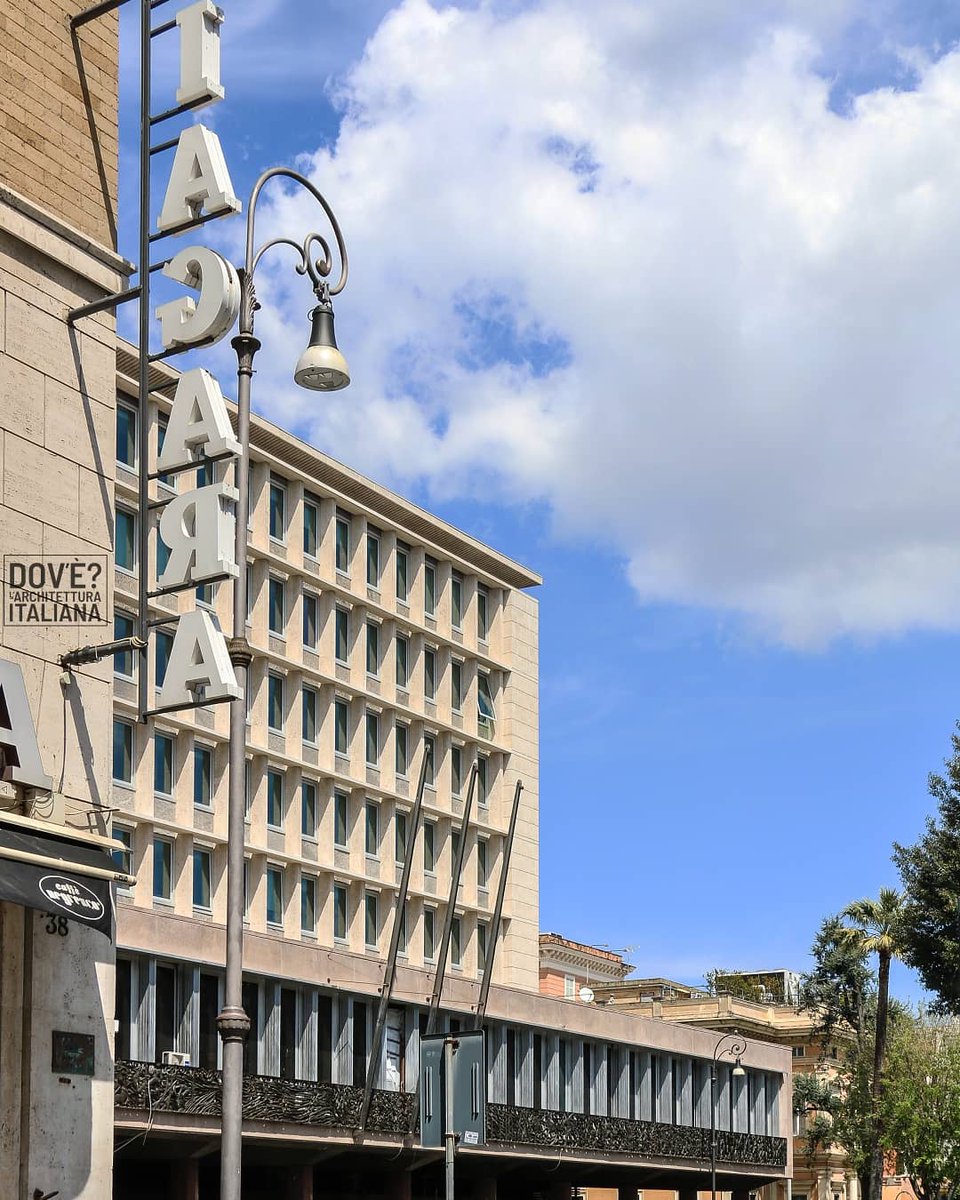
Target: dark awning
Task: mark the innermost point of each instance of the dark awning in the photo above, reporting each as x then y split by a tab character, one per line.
57	875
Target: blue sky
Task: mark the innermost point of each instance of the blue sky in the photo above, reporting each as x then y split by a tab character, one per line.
661	299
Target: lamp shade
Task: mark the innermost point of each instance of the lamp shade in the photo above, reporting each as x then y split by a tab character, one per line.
738	1070
322	367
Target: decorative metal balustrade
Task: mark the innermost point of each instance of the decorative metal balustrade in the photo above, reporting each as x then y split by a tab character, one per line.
189	1090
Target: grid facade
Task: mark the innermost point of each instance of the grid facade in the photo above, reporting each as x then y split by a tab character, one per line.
369	644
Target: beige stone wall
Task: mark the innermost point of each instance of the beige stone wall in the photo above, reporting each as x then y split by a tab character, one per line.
58	112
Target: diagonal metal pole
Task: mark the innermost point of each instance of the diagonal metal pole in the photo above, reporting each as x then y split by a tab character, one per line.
498	910
390	970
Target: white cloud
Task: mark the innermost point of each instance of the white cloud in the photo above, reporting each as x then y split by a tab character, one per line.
624	257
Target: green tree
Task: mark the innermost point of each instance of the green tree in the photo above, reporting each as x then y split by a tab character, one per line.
930	871
841	989
874	927
921	1107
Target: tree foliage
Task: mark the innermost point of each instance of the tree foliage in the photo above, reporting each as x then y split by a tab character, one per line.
930	871
840	989
921	1107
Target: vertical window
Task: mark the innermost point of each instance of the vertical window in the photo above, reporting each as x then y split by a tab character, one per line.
342	635
308	904
373	739
123	858
456	770
201	878
276	614
127	435
373	559
429	587
123	751
373	648
456	600
400	836
482	794
251	593
340	726
205	594
125	550
481	945
371	830
343	543
123	627
202	776
339	912
289	1035
402	567
162	869
163	555
400	734
430	674
278	510
402	647
308	808
274	896
275	702
251	494
247	789
206	474
482	627
569	986
482	876
309	723
402	937
429	941
454	849
456	949
163	644
274	799
371	920
430	750
311	523
486	716
429	847
169	481
310	620
340	820
163	764
456	685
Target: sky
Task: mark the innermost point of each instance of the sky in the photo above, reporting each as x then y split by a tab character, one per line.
661	298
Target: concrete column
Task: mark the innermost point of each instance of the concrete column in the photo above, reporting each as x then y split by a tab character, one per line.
824	1191
853	1186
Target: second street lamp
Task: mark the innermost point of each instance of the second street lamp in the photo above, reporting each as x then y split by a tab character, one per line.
737	1046
321	368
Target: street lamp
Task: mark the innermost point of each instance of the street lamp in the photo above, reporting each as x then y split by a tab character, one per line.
321	368
737	1046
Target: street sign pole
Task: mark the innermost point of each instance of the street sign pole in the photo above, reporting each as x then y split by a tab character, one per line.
450	1133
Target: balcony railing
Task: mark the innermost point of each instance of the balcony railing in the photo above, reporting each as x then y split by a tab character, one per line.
139	1085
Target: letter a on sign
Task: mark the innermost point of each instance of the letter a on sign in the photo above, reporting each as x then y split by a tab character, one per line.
18	735
198	422
199	668
199	180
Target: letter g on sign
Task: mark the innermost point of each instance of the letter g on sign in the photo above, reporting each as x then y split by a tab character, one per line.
185	321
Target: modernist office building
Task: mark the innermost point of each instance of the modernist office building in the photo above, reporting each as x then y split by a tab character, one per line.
378	630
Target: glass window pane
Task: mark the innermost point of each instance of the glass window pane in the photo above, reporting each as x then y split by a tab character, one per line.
482	613
401	574
343	635
373	560
123	751
456	770
162	868
429	947
371	837
275	702
373	739
401	661
308	809
484	699
310	524
429	587
276	619
400	732
163	764
126	540
123	663
163	646
456	685
201	878
308	904
126	435
339	912
373	648
274	799
371	919
429	674
202	776
278	511
343	545
310	616
429	847
274	896
456	601
400	837
309	731
340	819
340	727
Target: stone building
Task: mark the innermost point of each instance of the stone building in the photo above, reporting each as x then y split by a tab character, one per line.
58	192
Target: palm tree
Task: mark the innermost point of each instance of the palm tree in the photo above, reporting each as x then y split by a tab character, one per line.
875	928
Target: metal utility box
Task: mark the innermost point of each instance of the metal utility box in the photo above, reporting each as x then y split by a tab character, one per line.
469	1092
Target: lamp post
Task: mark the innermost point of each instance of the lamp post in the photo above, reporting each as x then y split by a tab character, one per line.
734	1050
321	368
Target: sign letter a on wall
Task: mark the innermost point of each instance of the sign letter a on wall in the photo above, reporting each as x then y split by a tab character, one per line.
18	735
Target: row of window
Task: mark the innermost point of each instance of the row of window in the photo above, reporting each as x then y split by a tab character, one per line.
278	524
164	750
202	881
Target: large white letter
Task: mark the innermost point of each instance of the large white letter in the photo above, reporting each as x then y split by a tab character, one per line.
18	735
199	667
201	536
199	52
185	322
199	180
198	422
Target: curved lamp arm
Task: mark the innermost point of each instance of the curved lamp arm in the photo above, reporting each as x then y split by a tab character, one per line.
318	268
736	1048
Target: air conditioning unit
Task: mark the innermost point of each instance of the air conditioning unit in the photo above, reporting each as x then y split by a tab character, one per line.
175	1058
